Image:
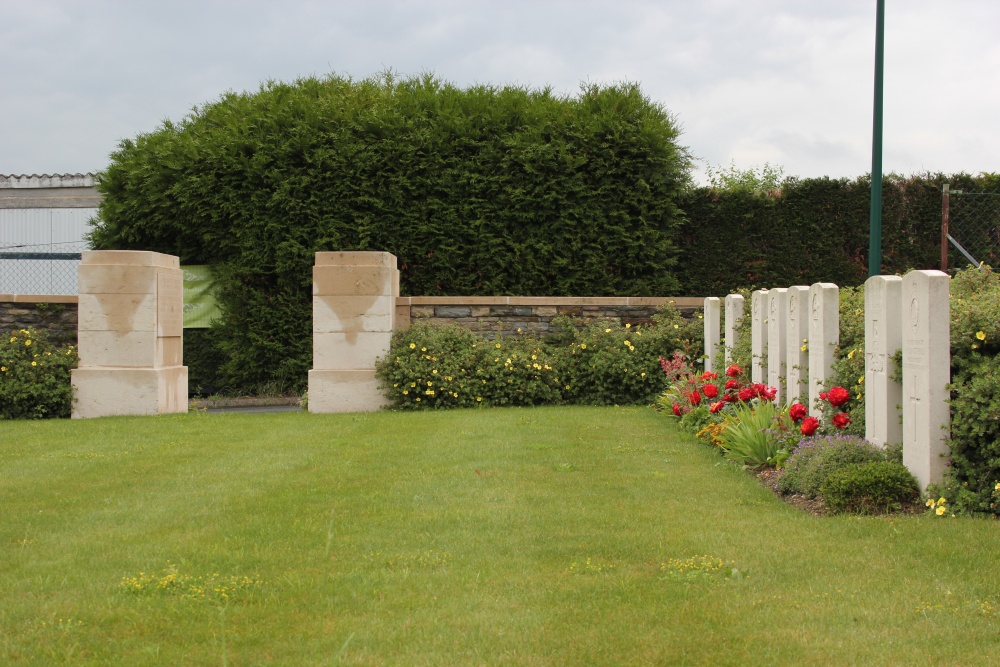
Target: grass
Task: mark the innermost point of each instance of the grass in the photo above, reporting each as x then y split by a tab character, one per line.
546	536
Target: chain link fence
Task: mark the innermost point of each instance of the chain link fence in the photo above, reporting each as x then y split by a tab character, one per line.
970	229
49	268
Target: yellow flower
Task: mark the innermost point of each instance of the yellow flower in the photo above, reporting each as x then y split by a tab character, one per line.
941	510
643	375
479	399
607	331
997	487
413	384
3	369
942	501
34	363
423	349
519	330
861	380
533	357
850	355
405	392
930	503
628	326
804	348
434	372
412	345
677	326
498	346
418	399
583	346
981	335
975	346
27	342
628	343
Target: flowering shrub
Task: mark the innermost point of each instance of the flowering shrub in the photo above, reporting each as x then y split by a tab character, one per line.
974	470
434	366
34	376
816	457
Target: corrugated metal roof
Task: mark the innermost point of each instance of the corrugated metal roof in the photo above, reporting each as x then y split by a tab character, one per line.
48	180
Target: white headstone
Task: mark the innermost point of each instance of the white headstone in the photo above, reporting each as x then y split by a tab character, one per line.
797	335
713	307
734	315
883	337
926	374
777	328
824	336
758	334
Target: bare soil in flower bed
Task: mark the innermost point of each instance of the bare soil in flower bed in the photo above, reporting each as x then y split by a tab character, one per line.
768	477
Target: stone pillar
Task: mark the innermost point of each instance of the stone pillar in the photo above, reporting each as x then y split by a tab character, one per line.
824	336
777	329
883	337
758	334
129	335
797	335
712	331
354	313
734	315
926	374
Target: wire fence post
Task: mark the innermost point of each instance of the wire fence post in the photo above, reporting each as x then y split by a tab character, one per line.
945	212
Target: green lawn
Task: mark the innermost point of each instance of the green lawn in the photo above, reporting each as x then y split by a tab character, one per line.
537	536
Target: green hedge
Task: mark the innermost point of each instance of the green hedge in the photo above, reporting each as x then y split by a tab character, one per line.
497	191
810	230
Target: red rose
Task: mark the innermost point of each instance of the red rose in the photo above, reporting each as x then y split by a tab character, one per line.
710	390
734	371
732	384
841	420
797	412
838	396
809	425
716	406
709	375
747	393
677	409
823	395
730	398
694	397
763	391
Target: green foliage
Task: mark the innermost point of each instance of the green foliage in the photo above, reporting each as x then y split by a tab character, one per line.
817	457
438	366
754	435
975	392
809	230
758	180
869	488
34	376
478	191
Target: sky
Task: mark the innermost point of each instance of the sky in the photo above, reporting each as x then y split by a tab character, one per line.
789	83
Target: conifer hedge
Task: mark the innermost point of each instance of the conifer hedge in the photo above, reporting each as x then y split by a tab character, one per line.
485	190
810	230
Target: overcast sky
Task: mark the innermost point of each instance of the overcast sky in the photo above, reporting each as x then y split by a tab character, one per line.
787	82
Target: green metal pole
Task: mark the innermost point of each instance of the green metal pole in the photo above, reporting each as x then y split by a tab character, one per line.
875	218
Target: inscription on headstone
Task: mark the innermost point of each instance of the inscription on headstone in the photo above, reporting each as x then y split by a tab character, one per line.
777	329
712	331
883	338
796	345
734	316
758	335
926	373
824	336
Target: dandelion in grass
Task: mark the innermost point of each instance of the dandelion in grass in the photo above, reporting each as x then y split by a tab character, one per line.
981	335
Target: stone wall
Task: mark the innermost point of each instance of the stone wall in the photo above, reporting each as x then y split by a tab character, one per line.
503	316
57	315
491	315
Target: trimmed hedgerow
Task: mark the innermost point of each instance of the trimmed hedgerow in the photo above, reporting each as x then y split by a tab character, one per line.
478	191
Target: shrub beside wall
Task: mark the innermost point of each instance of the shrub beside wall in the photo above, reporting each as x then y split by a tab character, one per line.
491	191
